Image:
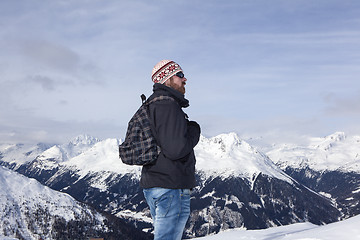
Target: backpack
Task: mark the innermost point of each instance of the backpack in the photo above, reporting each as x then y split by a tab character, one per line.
140	147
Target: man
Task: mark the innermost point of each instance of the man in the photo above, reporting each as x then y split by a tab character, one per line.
167	182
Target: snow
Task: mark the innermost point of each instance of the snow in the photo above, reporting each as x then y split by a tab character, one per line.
20	189
20	153
226	155
344	230
103	156
357	190
334	152
22	198
54	153
135	215
84	154
62	153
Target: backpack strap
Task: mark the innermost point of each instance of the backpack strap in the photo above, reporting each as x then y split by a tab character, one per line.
147	103
155	99
160	98
143	98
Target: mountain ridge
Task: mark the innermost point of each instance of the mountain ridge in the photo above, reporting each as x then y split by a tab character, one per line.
239	186
30	210
334	152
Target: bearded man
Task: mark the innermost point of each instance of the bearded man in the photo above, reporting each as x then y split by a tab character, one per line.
168	181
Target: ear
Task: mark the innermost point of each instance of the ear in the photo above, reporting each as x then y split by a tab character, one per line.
168	82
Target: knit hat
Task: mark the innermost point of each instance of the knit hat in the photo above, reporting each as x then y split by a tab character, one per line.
164	70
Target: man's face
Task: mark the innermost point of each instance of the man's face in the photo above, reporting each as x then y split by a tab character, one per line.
177	83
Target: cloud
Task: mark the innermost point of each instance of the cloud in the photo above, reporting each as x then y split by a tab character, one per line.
343	106
252	65
45	82
32	63
51	55
39	129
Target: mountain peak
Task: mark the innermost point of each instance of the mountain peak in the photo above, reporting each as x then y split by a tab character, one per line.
227	155
77	146
83	139
328	142
333	152
337	136
223	142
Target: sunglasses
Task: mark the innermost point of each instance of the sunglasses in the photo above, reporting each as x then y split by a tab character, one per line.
180	74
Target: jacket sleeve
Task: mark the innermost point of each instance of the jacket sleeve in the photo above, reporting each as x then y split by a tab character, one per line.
176	136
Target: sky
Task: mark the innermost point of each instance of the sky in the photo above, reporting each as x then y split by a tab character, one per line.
275	71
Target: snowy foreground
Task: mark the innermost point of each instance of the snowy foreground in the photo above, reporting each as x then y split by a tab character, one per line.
345	230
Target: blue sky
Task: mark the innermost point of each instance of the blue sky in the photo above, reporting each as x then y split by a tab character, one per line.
276	70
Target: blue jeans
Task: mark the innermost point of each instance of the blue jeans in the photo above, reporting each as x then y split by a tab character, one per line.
170	210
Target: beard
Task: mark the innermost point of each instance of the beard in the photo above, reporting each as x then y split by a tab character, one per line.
180	88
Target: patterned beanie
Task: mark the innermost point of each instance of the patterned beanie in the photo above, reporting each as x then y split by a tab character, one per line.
164	70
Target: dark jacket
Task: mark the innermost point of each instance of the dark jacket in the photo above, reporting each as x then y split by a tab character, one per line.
177	137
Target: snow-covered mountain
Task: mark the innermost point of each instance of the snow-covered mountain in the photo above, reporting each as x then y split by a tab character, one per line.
30	210
238	185
226	155
328	165
17	154
62	153
233	157
336	152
